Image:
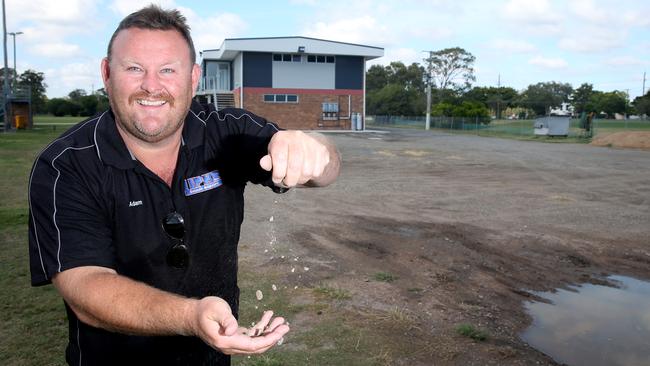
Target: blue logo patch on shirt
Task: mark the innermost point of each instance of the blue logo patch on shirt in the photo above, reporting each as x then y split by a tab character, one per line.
202	183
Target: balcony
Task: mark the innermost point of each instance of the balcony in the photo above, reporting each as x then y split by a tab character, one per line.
213	85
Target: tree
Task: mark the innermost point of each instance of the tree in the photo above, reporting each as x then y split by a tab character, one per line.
642	104
609	102
581	97
76	94
61	107
395	89
394	100
102	99
12	76
376	78
451	68
496	99
541	97
35	81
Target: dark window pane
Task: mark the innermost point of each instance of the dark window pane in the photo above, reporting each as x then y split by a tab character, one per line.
280	97
320	59
297	58
311	58
277	57
269	98
330	59
286	57
292	98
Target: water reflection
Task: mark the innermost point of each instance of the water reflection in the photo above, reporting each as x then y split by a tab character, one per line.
596	325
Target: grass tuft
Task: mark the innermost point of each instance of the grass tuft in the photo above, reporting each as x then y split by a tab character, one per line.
469	331
384	277
333	293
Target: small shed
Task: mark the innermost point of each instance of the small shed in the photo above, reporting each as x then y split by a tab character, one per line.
552	126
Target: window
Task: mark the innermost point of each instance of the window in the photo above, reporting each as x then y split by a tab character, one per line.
321	59
280	98
286	57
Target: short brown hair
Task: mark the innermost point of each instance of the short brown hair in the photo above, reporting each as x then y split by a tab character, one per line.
153	17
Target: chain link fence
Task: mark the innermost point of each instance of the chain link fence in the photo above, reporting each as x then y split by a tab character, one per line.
505	127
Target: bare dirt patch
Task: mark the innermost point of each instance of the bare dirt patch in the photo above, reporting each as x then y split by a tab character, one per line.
462	232
634	140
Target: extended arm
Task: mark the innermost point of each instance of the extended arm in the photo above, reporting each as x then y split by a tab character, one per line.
102	298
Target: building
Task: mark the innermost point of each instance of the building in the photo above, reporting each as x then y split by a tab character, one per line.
297	82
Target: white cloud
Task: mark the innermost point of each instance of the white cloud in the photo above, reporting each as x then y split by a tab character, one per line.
405	55
593	39
511	46
535	11
637	18
52	20
626	61
588	11
549	63
365	30
56	50
429	32
533	16
72	76
209	32
61	12
126	7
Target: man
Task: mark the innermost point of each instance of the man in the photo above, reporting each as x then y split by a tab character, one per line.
135	213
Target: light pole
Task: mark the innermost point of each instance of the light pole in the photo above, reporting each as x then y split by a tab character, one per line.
5	87
14	34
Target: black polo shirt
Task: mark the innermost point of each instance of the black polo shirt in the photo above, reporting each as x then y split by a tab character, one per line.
93	204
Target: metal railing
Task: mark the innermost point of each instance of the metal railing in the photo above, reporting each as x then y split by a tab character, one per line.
211	84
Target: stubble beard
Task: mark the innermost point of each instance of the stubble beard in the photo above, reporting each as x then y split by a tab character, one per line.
130	124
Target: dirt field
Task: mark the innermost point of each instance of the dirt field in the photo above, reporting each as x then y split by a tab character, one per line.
470	226
632	140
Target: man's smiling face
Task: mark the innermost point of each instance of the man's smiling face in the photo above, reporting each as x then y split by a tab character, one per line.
150	81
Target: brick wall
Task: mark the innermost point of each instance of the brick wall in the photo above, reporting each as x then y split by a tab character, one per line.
237	94
307	113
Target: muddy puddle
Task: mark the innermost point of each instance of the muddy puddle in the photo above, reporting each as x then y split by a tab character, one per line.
593	324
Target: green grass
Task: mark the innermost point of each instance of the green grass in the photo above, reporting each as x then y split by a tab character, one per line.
384	277
333	293
469	331
41	119
33	329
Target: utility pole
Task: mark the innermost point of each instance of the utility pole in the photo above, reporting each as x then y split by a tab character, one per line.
499	97
642	94
427	124
5	87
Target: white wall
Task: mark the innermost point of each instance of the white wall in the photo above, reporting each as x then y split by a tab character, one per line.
237	71
303	75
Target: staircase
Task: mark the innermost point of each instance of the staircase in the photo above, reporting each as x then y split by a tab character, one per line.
225	100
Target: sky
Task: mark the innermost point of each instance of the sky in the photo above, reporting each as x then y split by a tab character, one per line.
516	42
